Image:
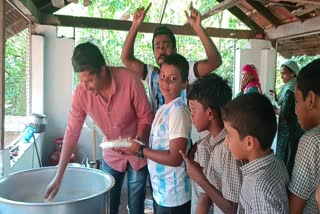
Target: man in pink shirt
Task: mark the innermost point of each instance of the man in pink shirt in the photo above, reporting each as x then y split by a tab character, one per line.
116	100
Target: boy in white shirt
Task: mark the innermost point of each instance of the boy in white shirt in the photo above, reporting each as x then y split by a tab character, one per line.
169	133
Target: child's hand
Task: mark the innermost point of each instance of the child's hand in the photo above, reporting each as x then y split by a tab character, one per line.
317	195
194	169
133	149
192	151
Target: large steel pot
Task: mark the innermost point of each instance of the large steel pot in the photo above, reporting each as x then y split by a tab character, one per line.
82	191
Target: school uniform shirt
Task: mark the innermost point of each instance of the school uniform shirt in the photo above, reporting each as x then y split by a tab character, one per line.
264	187
170	185
306	171
223	170
202	156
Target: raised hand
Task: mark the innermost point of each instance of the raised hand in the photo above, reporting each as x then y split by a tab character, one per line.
195	17
246	79
317	196
140	14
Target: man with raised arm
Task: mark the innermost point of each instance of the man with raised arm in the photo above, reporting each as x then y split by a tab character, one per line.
164	44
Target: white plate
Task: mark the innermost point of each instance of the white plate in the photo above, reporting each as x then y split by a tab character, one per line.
117	143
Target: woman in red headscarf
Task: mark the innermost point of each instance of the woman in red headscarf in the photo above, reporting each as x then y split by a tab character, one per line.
250	80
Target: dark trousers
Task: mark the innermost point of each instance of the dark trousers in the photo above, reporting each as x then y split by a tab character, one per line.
182	209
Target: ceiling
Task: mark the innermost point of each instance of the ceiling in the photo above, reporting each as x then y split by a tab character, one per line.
291	25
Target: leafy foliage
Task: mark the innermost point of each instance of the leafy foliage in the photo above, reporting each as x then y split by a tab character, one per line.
111	42
15	77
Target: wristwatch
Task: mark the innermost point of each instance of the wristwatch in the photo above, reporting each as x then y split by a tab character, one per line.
140	152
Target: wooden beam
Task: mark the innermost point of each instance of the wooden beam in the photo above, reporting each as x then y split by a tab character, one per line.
290	6
28	8
121	25
220	7
298	1
307	9
260	8
21	19
57	4
2	73
296	29
243	18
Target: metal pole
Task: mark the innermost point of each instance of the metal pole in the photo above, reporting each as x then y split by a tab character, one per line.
163	10
2	80
37	151
2	70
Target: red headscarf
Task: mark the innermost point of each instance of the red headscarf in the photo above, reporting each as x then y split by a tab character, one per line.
250	69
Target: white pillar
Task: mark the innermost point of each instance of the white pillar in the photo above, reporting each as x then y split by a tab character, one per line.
37	65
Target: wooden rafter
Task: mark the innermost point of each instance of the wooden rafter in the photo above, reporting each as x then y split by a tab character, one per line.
112	24
224	5
29	9
261	9
243	18
58	3
19	20
290	6
298	1
307	9
296	29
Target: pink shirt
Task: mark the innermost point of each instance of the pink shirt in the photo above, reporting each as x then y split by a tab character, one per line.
122	115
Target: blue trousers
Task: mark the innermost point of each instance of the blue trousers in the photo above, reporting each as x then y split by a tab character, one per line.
136	188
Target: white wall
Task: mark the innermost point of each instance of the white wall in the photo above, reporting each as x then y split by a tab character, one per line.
263	56
57	84
28	160
37	74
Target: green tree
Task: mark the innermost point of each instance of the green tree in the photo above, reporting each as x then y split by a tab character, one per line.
15	77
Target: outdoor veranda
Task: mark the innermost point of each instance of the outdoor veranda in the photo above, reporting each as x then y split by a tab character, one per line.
265	32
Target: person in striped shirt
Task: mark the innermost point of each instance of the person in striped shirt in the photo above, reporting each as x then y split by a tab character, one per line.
306	171
251	126
216	176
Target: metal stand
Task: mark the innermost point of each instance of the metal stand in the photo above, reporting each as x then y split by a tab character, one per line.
37	152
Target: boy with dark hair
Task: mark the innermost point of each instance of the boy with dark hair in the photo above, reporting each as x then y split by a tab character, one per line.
118	110
169	133
217	176
306	175
251	126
